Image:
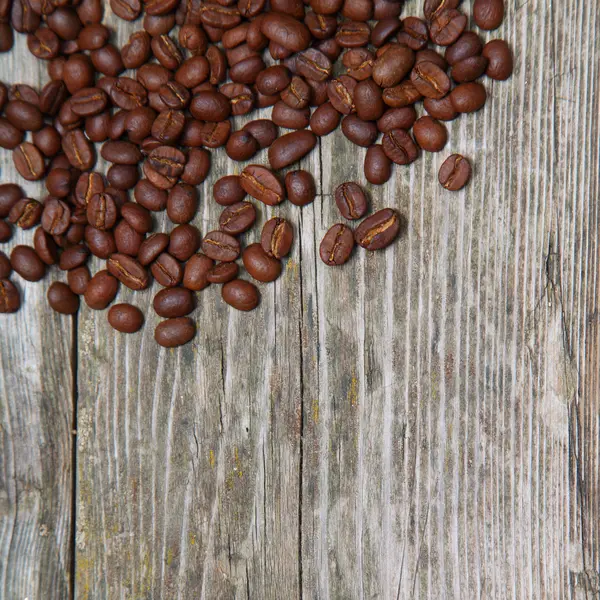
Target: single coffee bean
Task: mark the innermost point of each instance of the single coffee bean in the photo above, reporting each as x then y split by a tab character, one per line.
78	149
53	95
137	216
214	135
262	184
107	60
290	118
351	200
228	190
10	136
297	93
149	196
300	187
128	271
10	194
220	246
62	299
469	69
197	166
125	318
358	10
101	290
121	153
468	97
260	265
163	166
173	302
241	146
414	33
78	279
58	182
167	270
430	80
240	294
94	36
359	63
97	127
246	70
336	247
263	131
182	203
101	243
128	240
88	102
122	177
56	217
102	211
440	109
29	161
65	23
368	101
47	140
23	115
433	7
241	97
455	172
5	267
325	119
313	64
26	213
10	300
45	246
488	14
223	272
340	92
353	34
359	132
5	232
290	148
430	134
73	257
196	272
379	230
210	106
286	31
397	118
399	147
428	55
152	247
447	26
277	237
193	39
88	185
175	332
174	95
386	29
378	167
27	263
467	45
392	66
500	60
184	242
237	218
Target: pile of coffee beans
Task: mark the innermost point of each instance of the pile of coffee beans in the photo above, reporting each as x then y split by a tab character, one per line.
193	65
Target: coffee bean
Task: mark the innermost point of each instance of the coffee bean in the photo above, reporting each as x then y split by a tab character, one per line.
223	272
325	119
101	290
101	243
297	94
384	30
10	136
440	109
128	10
125	318
149	196
447	26
300	187
368	100
290	148
262	184
430	80
359	63
107	60
399	147
78	149
175	332
379	230
59	182
397	118
27	263
469	69
94	36
336	247
432	7
73	257
377	166
56	217
128	94
286	31
353	34
173	302
78	279
197	166
5	267
10	300
10	194
24	115
314	65
184	241
359	132
214	135
29	161
240	294
26	213
97	127
128	240
277	237
5	232
152	247
45	246
466	46
62	299
488	14
228	190
260	265
128	271
500	60
102	211
210	106
163	166
358	10
121	153
393	65
414	33
430	134
241	146
455	172
247	70
47	140
263	131
428	55
182	203
340	92
167	270
196	272
237	218
468	97
290	118
351	200
220	246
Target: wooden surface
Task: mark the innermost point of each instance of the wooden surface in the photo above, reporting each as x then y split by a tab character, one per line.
420	423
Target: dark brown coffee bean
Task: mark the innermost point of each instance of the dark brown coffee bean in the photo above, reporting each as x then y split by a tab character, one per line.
428	55
240	294
455	172
237	218
220	246
173	302
163	166
192	72
447	26
297	94
336	247
65	23
414	33
386	29
340	92
167	270
430	134
300	187
359	63
397	118
78	279
488	14
121	153
313	64
101	243
101	290
368	100
128	94
27	263
78	149
73	257
290	118
392	66
56	217
260	265
137	216
286	31
214	135
6	37
240	96
47	140
223	272
152	247
43	44
78	73
196	272
25	213
184	241
5	232
29	161
500	60
88	185
94	36
5	267
277	237
359	132
128	240
440	109
325	119
399	147
468	97
241	146
290	148
88	102
10	194
174	95
10	136
351	200
377	167
430	80
432	7
10	300
193	39
353	34
379	230
45	246
128	10
262	184
166	52
228	190
175	332
128	271
358	10
149	196
168	126
61	299
107	60
247	70
59	182
219	17
96	127
23	18
466	46
125	318
263	131
210	106
25	116
182	203
102	211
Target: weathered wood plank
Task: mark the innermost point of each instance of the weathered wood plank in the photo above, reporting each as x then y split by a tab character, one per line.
36	413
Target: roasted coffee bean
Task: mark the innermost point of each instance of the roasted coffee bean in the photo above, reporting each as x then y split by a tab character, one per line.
240	96
325	119
88	102
78	73
6	37
337	245
175	332
27	263
47	140
128	271
223	272
401	95
358	10
313	64
340	92
184	241
368	100
196	272
101	243
290	148
500	60
152	247
149	196
121	153
430	134
228	190
5	232
397	118
174	95
300	187
430	80
428	55
25	213
10	136
377	167
262	184
128	240
241	146
297	93
58	182
447	26
414	33
78	149
182	203
488	14
359	63
56	217
440	109
192	72
101	290
210	106
128	94
240	294
29	161
263	131
62	299
379	230
64	22
433	7
246	70
125	318
78	279
163	166
168	126
392	66
220	246
468	97
5	267
359	132
94	36
137	216
10	194
466	46
10	300
173	302
353	34
236	36
197	166
455	172
237	218
214	135
25	116
286	31
399	147
351	200
386	29
469	69
128	10
217	63
43	44
193	39
290	118
96	127
73	257
88	185
23	18
45	246
166	52
102	211
107	60
277	237
167	270
260	265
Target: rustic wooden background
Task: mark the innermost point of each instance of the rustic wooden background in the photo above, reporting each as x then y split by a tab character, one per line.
420	423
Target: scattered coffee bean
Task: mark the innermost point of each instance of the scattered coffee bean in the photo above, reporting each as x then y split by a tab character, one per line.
223	272
220	246
196	272
262	184
78	279
336	247
237	218
241	294
378	167
277	237
455	172
500	61
351	200
175	332
431	135
488	14
379	230
10	299
173	302
5	267
167	270
27	263
300	187
62	299
125	318
184	241
260	265
128	271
